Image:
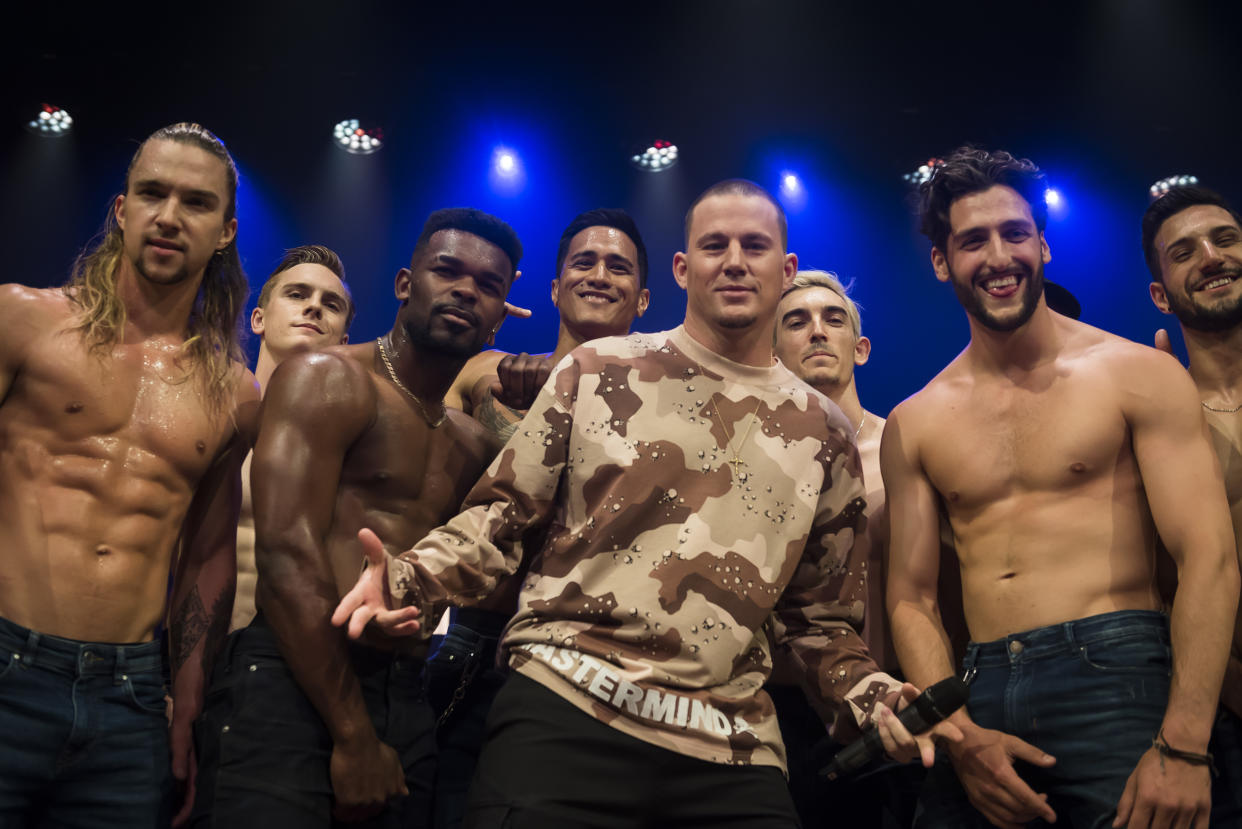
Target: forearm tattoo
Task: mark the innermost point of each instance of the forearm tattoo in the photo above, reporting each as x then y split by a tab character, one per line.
217	626
188	626
497	418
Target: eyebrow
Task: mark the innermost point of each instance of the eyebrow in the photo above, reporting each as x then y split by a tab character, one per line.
453	261
209	195
306	286
1188	239
1008	224
748	236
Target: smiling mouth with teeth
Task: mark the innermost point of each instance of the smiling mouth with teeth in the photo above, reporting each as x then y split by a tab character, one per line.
1218	282
999	282
596	298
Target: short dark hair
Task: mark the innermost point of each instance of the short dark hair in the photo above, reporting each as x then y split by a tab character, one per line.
971	170
1164	208
484	225
310	255
604	217
740	187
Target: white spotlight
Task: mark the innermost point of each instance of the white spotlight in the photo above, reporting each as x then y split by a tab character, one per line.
51	122
350	136
660	155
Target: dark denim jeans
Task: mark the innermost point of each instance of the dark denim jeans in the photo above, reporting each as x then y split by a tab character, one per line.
1091	692
264	750
83	737
1227	786
462	681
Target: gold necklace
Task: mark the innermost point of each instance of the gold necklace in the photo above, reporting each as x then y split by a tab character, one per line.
393	375
1237	408
737	461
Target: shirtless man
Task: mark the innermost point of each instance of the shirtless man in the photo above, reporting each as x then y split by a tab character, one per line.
1192	241
303	306
691	487
601	266
1058	451
304	727
122	429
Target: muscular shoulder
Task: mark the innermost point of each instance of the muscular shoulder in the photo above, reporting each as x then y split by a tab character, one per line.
26	311
478	367
334	379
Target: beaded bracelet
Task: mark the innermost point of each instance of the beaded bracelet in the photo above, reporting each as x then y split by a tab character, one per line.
1162	745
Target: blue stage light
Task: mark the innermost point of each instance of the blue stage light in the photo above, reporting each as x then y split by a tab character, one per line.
505	162
791	185
1052	198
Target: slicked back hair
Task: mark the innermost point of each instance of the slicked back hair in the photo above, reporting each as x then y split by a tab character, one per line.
1164	208
740	187
310	255
476	222
213	332
832	282
604	217
969	170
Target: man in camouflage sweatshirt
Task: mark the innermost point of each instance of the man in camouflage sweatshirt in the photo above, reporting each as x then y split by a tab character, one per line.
695	493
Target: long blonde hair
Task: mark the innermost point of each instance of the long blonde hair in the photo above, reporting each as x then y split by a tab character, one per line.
213	332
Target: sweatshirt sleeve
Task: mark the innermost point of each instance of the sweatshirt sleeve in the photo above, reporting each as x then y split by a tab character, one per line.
462	560
818	616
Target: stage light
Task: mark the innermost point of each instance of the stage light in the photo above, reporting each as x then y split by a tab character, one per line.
1165	184
791	185
658	157
1052	198
924	172
506	173
51	122
506	163
352	138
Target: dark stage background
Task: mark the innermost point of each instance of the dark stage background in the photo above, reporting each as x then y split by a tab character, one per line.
1106	96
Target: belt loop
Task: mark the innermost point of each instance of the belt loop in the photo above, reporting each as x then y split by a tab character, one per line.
1068	629
31	648
968	663
119	673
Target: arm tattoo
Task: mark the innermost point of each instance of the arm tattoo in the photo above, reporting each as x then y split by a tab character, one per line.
187	628
497	418
217	627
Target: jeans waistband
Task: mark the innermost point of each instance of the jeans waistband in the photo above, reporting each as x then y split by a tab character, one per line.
259	639
1067	637
75	658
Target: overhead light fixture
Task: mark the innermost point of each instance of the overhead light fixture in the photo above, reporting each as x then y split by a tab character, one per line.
51	122
351	137
924	172
658	157
1052	197
1166	184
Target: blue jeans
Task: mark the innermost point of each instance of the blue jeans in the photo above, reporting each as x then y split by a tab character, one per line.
462	680
264	751
1091	692
83	737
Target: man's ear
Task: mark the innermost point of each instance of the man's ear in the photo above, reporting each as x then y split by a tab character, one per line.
940	264
345	338
862	351
1160	297
556	292
680	266
791	270
401	285
1045	252
644	299
256	321
227	235
118	211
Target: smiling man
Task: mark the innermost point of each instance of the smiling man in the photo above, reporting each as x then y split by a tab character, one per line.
600	288
303	726
303	306
689	488
1192	241
1058	451
125	416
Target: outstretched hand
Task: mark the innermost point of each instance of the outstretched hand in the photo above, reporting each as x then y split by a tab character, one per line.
519	377
899	743
370	600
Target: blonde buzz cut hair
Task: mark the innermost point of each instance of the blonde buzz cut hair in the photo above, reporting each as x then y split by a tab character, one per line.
829	280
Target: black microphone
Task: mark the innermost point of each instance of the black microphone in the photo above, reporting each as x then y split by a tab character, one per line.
928	708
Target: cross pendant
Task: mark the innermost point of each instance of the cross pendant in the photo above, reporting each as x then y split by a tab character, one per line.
736	463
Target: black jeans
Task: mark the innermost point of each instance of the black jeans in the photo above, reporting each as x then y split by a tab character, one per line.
263	749
549	765
462	680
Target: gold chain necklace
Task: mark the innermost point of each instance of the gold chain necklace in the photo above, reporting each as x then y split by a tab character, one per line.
393	375
736	462
1237	408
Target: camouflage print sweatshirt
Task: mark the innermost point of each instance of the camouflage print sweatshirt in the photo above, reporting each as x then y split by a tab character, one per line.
664	563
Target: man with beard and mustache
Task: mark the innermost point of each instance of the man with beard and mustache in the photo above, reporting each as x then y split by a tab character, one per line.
1058	451
1192	241
305	725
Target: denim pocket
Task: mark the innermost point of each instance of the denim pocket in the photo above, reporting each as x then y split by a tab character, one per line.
1131	654
146	693
8	663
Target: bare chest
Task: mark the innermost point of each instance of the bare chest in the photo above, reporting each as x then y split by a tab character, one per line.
996	442
135	405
